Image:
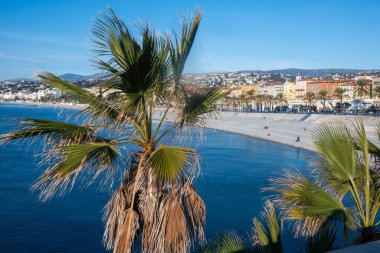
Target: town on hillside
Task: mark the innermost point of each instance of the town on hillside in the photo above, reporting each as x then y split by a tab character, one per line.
248	91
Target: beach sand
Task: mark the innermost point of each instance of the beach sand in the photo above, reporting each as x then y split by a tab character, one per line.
285	128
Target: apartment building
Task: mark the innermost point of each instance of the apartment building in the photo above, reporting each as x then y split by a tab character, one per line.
329	85
290	90
271	88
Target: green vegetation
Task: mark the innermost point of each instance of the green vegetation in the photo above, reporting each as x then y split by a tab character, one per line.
363	88
340	93
155	203
324	96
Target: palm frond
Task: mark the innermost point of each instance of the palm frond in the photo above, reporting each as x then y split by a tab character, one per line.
337	150
309	204
96	106
168	162
323	241
180	48
230	242
94	158
53	131
198	104
267	233
196	212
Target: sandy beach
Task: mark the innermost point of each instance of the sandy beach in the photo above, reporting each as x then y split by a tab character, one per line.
284	128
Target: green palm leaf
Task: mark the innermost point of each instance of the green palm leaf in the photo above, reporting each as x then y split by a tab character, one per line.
267	234
228	243
169	162
181	47
198	104
54	131
95	158
309	204
323	241
96	106
337	150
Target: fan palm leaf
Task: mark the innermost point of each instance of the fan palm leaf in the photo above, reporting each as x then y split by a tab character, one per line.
309	204
198	104
267	234
169	162
53	131
96	106
94	158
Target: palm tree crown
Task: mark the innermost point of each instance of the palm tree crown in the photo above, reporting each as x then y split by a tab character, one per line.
155	202
362	88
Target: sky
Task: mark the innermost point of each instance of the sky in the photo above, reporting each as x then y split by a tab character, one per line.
234	35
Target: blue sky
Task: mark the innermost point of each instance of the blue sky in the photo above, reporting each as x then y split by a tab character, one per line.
234	35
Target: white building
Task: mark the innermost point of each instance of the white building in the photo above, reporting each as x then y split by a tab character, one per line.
271	88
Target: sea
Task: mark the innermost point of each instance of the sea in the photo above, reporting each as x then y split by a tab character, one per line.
235	171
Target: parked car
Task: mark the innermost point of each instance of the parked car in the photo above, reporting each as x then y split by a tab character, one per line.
284	108
373	109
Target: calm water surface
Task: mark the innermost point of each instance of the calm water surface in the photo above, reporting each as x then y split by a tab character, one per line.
234	171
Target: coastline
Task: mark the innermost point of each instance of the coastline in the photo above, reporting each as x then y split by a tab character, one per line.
45	104
281	128
285	128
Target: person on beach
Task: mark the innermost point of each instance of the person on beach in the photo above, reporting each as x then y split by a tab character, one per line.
298	139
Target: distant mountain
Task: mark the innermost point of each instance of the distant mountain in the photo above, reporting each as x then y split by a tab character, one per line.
19	79
314	72
75	77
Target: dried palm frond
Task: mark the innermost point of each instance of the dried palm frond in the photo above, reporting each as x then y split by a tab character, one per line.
196	211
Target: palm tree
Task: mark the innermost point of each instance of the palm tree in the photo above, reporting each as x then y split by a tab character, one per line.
259	100
309	98
280	98
156	203
362	88
324	96
340	93
266	237
343	171
250	96
270	101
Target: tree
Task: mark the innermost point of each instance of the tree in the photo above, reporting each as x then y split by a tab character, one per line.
280	98
362	88
156	203
323	95
259	100
309	98
343	171
340	93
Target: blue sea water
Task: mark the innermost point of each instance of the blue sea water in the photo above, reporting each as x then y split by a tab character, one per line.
235	169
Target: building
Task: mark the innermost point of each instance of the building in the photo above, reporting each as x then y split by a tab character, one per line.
300	87
238	91
271	88
349	87
290	90
329	85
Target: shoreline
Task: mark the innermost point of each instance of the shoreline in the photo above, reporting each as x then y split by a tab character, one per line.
284	129
280	128
45	104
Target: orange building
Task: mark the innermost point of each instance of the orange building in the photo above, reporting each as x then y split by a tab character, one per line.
329	85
